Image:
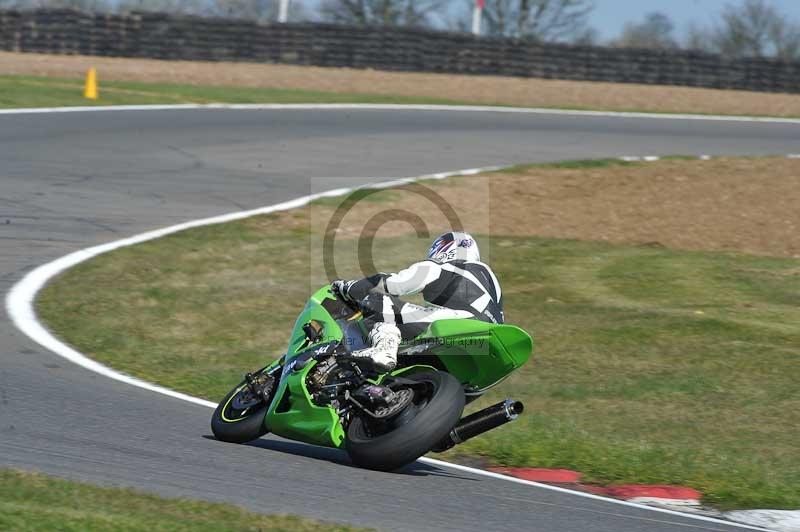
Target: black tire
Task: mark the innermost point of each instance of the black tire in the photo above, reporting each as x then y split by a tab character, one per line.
234	427
414	438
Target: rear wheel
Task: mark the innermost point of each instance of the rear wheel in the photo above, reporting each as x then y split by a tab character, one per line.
239	417
388	445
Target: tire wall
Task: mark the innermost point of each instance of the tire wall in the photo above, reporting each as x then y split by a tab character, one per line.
163	36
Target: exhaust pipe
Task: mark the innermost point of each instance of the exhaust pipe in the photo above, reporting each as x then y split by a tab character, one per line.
480	422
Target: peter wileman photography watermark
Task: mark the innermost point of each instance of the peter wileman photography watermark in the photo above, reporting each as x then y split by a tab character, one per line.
422	344
375	229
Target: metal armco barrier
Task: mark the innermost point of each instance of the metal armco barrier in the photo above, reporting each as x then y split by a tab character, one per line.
163	36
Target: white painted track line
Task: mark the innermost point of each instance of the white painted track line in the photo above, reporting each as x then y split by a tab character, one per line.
401	107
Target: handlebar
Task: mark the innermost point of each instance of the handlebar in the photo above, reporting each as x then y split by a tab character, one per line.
352	305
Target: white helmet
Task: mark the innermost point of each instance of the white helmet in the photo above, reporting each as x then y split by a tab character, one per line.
454	246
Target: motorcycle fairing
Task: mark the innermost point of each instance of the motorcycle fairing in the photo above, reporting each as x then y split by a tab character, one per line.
478	354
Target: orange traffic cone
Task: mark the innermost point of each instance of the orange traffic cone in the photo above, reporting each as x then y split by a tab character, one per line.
90	91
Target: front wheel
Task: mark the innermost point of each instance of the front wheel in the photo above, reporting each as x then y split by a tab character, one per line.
239	417
436	408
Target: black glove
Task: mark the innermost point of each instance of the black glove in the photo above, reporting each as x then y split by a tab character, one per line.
341	288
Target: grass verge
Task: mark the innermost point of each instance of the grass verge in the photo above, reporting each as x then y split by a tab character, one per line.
652	364
484	90
30	501
37	91
28	91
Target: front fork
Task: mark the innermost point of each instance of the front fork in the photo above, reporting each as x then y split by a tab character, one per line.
263	384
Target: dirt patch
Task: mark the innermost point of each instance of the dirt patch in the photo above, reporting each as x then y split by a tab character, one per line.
748	205
740	204
477	89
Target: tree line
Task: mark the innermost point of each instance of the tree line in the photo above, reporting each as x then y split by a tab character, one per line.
746	28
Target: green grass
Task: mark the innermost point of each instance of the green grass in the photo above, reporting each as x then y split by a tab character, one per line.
651	365
28	91
578	164
30	501
33	91
582	164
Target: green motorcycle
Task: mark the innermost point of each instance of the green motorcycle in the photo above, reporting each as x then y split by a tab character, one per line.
316	393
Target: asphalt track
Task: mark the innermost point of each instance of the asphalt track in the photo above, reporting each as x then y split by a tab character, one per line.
68	181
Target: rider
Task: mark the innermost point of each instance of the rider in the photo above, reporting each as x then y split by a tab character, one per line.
452	280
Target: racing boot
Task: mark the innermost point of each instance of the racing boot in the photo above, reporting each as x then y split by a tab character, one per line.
385	341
